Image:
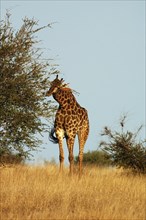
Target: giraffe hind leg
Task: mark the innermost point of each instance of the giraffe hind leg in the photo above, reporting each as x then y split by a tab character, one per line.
70	144
82	137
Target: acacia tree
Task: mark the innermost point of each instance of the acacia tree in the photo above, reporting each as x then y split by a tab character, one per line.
24	77
124	149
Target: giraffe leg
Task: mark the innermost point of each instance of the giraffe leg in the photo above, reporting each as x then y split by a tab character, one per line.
60	135
70	144
82	137
61	156
80	158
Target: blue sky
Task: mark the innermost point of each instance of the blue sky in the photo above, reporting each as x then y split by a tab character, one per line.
100	49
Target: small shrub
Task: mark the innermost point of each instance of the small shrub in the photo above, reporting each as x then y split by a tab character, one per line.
99	158
124	149
10	158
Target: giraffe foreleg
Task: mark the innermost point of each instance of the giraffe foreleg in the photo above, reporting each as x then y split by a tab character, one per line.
60	135
61	156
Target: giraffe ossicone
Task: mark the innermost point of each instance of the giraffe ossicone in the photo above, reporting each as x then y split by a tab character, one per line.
71	119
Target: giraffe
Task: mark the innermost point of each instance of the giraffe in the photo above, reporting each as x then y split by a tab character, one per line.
71	119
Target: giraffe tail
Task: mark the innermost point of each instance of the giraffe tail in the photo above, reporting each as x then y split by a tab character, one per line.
52	137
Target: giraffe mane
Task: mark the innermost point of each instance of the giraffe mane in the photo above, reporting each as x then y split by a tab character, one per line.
66	89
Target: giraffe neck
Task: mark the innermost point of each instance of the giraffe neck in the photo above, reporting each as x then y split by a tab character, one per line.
65	98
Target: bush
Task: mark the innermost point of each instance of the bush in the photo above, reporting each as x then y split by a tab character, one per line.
124	149
98	158
11	158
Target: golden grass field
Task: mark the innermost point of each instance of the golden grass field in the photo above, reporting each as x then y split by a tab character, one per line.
39	193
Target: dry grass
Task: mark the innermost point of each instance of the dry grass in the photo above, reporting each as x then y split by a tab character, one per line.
39	193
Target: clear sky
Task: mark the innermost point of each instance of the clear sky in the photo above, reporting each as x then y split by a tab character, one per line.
100	49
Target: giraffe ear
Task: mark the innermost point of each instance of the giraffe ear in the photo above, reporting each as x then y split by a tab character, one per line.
61	79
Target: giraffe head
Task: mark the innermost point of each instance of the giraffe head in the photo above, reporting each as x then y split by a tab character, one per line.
55	85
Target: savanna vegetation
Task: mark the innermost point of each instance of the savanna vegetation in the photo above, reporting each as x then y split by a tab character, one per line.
96	157
101	193
125	148
24	78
